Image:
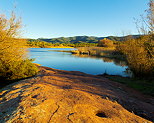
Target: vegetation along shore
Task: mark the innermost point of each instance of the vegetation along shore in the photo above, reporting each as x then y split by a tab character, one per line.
30	93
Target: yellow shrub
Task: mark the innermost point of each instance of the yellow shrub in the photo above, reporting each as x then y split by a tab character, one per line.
13	59
139	56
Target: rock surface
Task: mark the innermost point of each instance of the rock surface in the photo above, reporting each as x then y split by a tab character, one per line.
56	96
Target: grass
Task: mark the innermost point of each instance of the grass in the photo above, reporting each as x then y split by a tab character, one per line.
67	51
144	86
106	52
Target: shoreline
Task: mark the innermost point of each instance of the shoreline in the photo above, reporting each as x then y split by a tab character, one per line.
74	88
134	83
50	47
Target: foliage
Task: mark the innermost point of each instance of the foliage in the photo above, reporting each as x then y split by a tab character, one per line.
13	61
82	39
140	52
145	86
18	70
38	43
76	39
105	43
43	44
139	56
104	52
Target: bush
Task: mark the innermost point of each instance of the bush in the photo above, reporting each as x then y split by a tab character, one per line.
14	63
139	55
140	52
17	70
105	43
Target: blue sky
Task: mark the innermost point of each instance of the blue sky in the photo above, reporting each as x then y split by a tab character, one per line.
64	18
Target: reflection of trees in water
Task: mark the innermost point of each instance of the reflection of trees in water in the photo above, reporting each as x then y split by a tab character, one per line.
105	59
115	61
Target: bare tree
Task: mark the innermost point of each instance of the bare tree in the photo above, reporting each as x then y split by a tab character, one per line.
150	17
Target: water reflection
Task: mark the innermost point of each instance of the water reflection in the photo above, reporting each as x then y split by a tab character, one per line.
104	59
66	61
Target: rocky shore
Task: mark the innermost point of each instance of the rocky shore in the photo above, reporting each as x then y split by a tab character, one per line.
57	96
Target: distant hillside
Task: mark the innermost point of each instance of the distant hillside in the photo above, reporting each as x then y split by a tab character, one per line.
83	39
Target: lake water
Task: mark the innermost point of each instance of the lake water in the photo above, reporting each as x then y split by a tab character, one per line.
66	61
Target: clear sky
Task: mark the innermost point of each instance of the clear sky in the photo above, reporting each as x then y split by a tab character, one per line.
64	18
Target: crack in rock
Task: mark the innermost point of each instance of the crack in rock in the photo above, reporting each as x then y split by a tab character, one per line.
54	113
69	116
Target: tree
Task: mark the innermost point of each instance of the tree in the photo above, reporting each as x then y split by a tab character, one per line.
14	63
140	52
145	26
150	17
105	43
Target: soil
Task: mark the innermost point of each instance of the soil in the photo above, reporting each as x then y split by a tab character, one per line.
58	96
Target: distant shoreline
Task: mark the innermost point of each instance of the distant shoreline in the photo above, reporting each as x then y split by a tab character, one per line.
50	47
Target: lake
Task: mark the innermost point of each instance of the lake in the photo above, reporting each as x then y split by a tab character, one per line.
50	57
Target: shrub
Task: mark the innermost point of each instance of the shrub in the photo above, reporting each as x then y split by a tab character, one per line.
105	43
14	63
18	70
139	55
140	52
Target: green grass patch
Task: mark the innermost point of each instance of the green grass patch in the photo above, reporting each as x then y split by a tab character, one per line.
144	86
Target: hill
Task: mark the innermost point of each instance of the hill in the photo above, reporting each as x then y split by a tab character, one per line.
83	39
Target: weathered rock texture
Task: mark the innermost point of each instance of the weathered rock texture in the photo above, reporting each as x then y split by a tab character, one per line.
56	96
